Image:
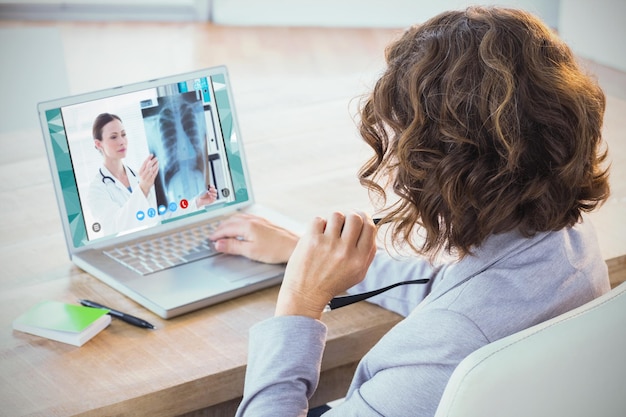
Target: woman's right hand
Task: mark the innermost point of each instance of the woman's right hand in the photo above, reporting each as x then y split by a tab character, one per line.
147	173
333	256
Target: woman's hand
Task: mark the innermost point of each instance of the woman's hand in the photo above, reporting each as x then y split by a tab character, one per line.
331	257
254	237
207	197
147	173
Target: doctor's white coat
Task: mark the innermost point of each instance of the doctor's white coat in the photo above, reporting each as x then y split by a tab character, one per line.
115	208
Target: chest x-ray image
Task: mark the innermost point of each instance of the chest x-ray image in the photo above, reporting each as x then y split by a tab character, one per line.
176	131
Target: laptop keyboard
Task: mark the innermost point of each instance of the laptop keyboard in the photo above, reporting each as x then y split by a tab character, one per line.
157	254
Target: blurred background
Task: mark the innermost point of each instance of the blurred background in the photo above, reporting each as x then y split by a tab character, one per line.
594	30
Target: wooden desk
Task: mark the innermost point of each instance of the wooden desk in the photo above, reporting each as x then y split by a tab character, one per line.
196	361
293	89
193	362
189	363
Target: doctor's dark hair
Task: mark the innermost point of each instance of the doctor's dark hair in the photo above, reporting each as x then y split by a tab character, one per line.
482	123
101	120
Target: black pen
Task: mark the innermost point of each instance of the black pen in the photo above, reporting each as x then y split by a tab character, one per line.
135	321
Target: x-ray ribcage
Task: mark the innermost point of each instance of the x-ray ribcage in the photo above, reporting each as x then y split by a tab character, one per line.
176	131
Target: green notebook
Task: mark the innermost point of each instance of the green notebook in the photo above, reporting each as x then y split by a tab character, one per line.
67	323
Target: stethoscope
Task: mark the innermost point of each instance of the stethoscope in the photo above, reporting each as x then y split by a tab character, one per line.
106	178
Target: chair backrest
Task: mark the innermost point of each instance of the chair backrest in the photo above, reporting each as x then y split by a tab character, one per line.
571	366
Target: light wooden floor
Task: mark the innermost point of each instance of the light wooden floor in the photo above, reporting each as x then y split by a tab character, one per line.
295	90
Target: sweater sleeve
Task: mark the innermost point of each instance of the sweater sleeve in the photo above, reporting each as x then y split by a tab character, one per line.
284	359
404	374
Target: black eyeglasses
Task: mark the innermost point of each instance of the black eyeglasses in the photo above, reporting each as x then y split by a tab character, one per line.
346	300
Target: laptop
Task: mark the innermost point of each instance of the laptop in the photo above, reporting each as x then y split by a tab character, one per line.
153	247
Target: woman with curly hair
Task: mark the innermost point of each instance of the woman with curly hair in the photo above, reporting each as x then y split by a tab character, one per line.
489	134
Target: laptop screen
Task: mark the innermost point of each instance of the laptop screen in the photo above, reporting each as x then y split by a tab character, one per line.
102	149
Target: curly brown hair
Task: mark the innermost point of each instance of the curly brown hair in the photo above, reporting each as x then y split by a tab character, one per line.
483	123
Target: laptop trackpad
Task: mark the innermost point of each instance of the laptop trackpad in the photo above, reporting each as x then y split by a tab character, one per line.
236	268
203	279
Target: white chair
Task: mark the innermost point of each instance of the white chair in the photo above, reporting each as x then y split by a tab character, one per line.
571	366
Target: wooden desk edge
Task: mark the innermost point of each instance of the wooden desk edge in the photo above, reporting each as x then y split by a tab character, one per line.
617	270
191	399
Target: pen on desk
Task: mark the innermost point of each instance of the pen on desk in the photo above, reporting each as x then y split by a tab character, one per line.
135	321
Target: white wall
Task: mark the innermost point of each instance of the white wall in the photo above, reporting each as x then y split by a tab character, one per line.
356	13
106	10
595	30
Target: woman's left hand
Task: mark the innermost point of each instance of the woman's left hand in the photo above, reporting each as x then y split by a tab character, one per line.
255	238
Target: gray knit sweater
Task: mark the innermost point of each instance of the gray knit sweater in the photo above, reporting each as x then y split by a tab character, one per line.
508	284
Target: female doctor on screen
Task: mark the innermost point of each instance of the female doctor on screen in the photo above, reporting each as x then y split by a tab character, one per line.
120	198
118	195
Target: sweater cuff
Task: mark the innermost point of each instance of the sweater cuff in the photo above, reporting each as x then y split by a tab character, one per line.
285	352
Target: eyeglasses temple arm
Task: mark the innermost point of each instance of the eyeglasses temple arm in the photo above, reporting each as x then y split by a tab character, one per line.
345	300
